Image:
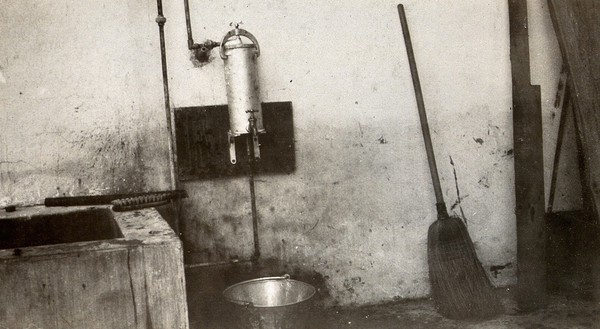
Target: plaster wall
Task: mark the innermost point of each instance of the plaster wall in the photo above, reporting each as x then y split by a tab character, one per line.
80	100
357	209
82	113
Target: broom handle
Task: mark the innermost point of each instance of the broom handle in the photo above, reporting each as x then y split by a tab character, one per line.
439	198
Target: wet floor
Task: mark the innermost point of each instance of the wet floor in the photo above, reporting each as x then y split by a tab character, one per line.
208	310
561	313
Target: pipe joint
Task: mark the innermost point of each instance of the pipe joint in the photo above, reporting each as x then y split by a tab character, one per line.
192	45
207	46
161	20
202	51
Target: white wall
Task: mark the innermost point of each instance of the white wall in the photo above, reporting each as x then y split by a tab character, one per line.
80	99
356	210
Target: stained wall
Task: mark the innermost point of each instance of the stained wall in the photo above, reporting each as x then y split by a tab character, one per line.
82	113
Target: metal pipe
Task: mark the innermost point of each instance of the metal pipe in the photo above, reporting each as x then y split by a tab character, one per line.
254	211
161	20
225	262
252	169
188	24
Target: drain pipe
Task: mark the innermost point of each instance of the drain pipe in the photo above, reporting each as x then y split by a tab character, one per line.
161	20
252	172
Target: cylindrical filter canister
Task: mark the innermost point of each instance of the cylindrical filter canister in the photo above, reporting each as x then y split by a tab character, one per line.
241	80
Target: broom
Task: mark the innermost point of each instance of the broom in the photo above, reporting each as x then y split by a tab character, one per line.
460	286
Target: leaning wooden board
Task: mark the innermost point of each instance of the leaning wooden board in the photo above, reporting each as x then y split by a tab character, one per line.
578	32
529	166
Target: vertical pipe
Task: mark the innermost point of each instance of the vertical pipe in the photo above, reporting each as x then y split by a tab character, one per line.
161	20
188	24
252	169
254	211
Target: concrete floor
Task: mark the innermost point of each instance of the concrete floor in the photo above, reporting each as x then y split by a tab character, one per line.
208	310
561	313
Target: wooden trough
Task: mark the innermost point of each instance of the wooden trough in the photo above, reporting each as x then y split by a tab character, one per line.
90	267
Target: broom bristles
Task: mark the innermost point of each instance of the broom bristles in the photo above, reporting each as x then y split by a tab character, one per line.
460	286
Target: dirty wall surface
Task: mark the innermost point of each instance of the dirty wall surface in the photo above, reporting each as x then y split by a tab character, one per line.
80	98
82	113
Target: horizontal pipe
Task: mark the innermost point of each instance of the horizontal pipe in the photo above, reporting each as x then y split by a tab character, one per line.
226	262
91	200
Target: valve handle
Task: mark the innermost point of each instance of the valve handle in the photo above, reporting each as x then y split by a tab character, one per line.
238	32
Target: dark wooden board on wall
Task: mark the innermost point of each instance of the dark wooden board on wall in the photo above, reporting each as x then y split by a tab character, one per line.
203	146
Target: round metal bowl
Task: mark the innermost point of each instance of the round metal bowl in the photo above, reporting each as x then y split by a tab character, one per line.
269	292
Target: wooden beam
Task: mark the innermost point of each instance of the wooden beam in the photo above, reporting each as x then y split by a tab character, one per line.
576	26
529	166
578	32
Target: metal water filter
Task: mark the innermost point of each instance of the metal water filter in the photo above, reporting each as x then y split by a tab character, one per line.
245	112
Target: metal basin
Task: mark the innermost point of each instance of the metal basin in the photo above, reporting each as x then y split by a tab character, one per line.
271	303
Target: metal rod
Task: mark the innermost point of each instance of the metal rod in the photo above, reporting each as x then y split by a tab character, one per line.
161	20
253	201
91	200
188	24
251	154
225	262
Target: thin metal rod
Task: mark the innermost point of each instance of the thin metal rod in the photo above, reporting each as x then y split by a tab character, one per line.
225	262
161	20
251	173
188	24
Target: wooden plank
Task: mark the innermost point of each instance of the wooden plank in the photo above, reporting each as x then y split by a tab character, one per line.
576	26
139	287
529	166
137	282
165	286
89	290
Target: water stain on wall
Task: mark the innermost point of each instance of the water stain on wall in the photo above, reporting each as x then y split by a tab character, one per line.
101	161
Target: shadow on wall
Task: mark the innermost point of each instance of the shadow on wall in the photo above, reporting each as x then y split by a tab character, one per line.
572	251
